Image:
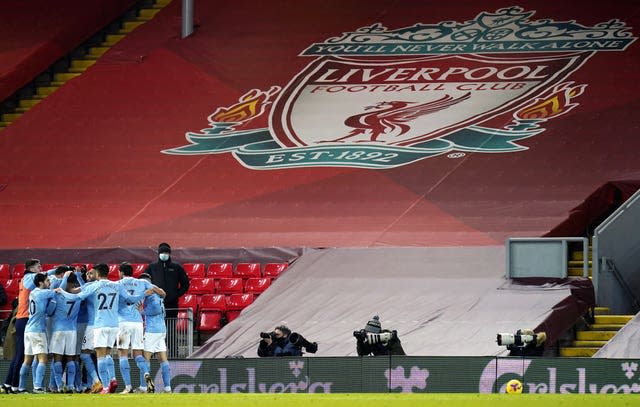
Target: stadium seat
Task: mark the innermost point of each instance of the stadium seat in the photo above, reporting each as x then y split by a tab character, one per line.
248	270
213	302
17	271
114	272
12	286
189	301
236	303
273	270
220	270
202	285
182	321
5	272
257	286
210	321
87	265
49	266
229	286
138	268
194	270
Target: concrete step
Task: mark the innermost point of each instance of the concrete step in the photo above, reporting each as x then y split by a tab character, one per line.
595	335
601	310
46	90
64	76
81	63
9	117
96	52
129	26
148	13
21	109
577	255
613	319
112	39
578	263
4	124
588	344
606	327
577	271
578	352
28	102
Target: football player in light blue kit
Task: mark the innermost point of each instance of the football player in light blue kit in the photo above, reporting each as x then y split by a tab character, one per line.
63	333
131	330
155	339
87	307
35	336
107	295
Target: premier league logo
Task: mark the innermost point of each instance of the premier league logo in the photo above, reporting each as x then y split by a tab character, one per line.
376	98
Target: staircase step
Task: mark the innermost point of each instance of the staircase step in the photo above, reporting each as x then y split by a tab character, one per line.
129	26
46	90
595	335
577	255
112	39
162	3
64	76
588	344
9	117
601	310
148	13
578	352
4	124
21	109
28	102
577	271
578	263
606	327
613	319
81	63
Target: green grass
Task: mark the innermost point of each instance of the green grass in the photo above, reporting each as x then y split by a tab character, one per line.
320	400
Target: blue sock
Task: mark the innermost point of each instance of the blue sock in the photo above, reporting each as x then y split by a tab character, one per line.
111	367
166	373
142	366
52	376
125	371
34	366
92	374
103	372
78	377
40	371
24	373
71	375
57	371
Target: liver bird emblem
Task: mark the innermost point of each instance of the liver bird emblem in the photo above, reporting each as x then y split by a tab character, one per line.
390	118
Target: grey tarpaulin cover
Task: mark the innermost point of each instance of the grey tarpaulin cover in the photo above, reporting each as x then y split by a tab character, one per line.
442	301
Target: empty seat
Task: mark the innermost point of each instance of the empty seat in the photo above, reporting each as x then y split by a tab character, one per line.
5	272
189	301
114	272
210	302
182	321
49	266
17	271
194	270
273	270
202	285
236	303
210	321
220	270
229	286
88	266
138	268
257	286
248	270
12	286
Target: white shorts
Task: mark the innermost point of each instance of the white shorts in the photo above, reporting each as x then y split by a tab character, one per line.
104	337
80	337
35	343
155	342
87	341
63	342
130	334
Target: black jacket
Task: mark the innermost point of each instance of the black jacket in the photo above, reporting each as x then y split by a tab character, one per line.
393	347
172	278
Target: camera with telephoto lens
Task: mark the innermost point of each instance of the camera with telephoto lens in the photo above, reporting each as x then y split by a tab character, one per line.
521	338
373	338
266	335
298	340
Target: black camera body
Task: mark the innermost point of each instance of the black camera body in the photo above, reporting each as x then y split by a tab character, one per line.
298	340
266	335
360	335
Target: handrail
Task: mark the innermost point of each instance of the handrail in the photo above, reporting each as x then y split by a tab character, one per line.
611	265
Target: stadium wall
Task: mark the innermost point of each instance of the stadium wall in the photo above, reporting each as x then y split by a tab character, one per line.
398	374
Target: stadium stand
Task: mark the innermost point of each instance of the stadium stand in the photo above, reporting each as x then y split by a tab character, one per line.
5	272
220	270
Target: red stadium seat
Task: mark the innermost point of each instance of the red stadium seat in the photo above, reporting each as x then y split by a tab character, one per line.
194	270
182	321
114	272
248	270
49	266
189	301
12	286
138	268
229	286
210	321
5	272
236	303
89	266
211	302
17	271
202	285
273	270
257	286
220	270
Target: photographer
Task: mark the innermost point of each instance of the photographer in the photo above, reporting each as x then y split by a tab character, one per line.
281	342
525	342
373	340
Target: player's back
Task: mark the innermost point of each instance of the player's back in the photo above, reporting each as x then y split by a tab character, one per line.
106	297
128	311
38	301
154	314
65	317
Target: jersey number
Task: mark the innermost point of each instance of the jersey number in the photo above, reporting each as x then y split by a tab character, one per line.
103	301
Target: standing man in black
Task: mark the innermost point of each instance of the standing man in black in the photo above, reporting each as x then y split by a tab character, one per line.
169	276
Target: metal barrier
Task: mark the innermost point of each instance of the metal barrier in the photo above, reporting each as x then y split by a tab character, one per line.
180	334
542	256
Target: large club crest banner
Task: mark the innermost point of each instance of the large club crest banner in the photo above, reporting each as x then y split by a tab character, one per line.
379	98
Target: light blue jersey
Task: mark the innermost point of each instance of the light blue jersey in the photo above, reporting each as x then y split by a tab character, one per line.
38	300
65	317
127	311
106	296
154	314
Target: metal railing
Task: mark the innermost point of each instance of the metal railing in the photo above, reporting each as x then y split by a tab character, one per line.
542	256
180	334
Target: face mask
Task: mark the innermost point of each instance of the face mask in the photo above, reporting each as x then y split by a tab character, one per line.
164	256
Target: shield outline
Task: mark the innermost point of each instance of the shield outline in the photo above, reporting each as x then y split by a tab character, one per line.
280	116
